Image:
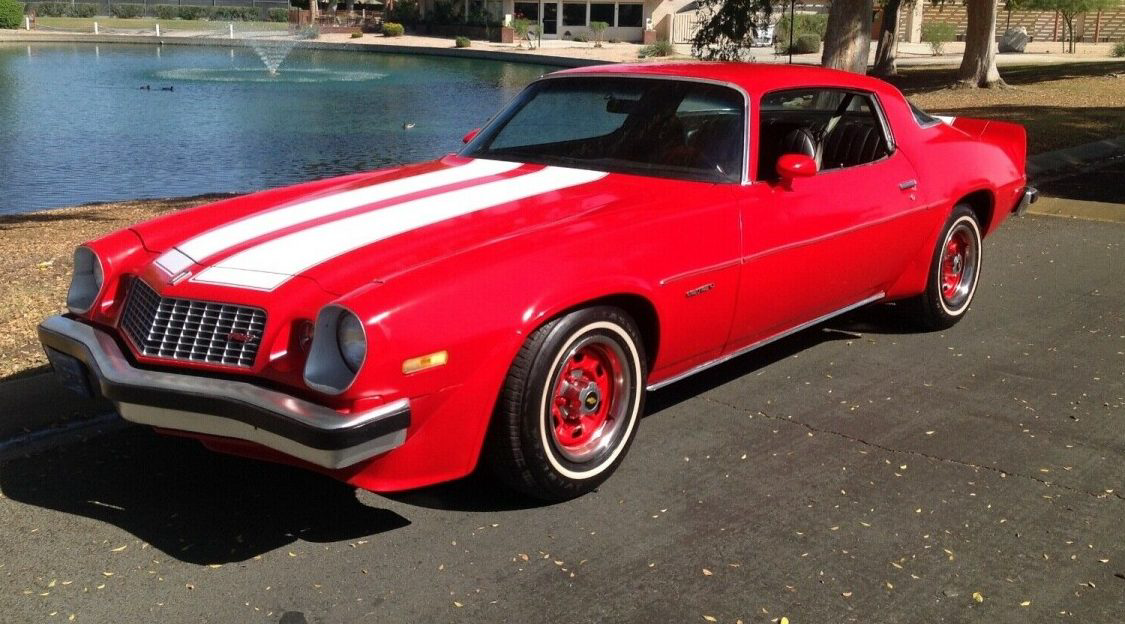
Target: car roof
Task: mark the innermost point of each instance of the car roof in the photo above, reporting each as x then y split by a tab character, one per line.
754	78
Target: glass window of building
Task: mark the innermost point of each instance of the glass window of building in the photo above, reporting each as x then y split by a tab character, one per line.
630	15
574	14
601	13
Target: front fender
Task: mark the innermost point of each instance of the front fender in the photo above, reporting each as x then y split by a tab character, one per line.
480	312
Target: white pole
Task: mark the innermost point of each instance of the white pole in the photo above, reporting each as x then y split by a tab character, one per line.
26	22
95	28
230	28
157	29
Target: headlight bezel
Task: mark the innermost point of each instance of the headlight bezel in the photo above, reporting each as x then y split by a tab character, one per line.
327	369
87	280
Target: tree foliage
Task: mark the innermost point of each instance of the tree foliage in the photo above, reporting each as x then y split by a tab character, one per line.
11	14
729	27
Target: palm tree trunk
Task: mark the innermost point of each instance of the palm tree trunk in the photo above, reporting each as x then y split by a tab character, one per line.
887	49
978	65
847	42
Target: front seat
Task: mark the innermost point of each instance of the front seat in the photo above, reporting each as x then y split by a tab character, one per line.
798	141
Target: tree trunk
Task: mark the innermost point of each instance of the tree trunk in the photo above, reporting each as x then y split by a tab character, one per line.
887	50
847	42
978	65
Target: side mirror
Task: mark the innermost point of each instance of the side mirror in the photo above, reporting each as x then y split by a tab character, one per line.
792	166
471	135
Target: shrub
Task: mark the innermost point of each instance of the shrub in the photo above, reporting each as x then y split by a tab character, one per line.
816	23
82	10
445	13
580	38
521	27
1119	49
660	48
65	9
191	12
404	12
166	11
598	30
277	15
11	14
45	9
308	32
807	43
937	34
357	35
233	14
392	29
127	11
462	42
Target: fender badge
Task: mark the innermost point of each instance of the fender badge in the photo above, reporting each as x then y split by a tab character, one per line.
700	290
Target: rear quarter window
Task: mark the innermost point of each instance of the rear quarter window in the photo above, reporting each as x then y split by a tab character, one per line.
922	117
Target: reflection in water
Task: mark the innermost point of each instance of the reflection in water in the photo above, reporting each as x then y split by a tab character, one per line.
73	130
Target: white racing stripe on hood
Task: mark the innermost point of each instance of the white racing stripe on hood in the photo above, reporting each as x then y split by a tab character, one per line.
224	237
276	260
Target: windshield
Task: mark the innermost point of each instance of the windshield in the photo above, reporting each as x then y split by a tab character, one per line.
658	127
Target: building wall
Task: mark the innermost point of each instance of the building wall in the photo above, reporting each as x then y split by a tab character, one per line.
1108	25
614	32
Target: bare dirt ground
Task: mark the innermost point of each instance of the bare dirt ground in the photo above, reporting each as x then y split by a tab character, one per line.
1061	105
35	265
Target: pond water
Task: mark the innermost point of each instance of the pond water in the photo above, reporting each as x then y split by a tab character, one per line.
77	124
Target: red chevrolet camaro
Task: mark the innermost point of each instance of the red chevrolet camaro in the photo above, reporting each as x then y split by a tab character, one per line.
611	231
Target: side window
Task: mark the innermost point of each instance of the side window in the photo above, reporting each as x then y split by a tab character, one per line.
836	127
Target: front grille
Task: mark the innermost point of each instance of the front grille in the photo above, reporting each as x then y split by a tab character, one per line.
196	331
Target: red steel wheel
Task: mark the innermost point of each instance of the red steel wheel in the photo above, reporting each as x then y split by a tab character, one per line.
585	408
570	405
954	271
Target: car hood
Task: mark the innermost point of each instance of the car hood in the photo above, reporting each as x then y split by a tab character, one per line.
349	231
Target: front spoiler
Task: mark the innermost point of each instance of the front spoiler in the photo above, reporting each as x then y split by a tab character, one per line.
1029	197
233	409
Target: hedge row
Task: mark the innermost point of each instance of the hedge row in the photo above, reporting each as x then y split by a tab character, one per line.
11	14
64	9
163	11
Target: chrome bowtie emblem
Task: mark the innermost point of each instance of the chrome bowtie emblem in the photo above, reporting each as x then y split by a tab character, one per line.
240	337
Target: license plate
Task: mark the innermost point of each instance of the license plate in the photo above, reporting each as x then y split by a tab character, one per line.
70	372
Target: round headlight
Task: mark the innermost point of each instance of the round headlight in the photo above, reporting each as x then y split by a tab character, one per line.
351	340
86	283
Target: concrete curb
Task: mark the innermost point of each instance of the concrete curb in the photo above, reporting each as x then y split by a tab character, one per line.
367	47
1070	157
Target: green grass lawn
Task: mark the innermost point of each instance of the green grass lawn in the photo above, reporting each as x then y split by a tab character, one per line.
86	24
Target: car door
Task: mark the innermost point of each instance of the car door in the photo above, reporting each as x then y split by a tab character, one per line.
830	241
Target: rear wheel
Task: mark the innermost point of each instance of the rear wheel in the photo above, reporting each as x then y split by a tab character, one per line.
954	271
570	405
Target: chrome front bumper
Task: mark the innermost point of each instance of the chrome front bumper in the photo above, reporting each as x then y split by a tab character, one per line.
220	407
1029	197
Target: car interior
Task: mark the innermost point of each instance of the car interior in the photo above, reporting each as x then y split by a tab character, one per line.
668	128
836	128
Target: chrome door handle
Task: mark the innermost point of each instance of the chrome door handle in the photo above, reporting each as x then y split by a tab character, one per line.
906	185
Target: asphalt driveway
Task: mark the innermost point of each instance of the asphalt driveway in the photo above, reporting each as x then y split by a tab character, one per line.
856	472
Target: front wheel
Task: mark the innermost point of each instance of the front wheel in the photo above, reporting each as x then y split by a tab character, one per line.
570	404
954	271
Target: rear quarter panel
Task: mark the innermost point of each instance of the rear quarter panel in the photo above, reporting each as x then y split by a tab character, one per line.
951	165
